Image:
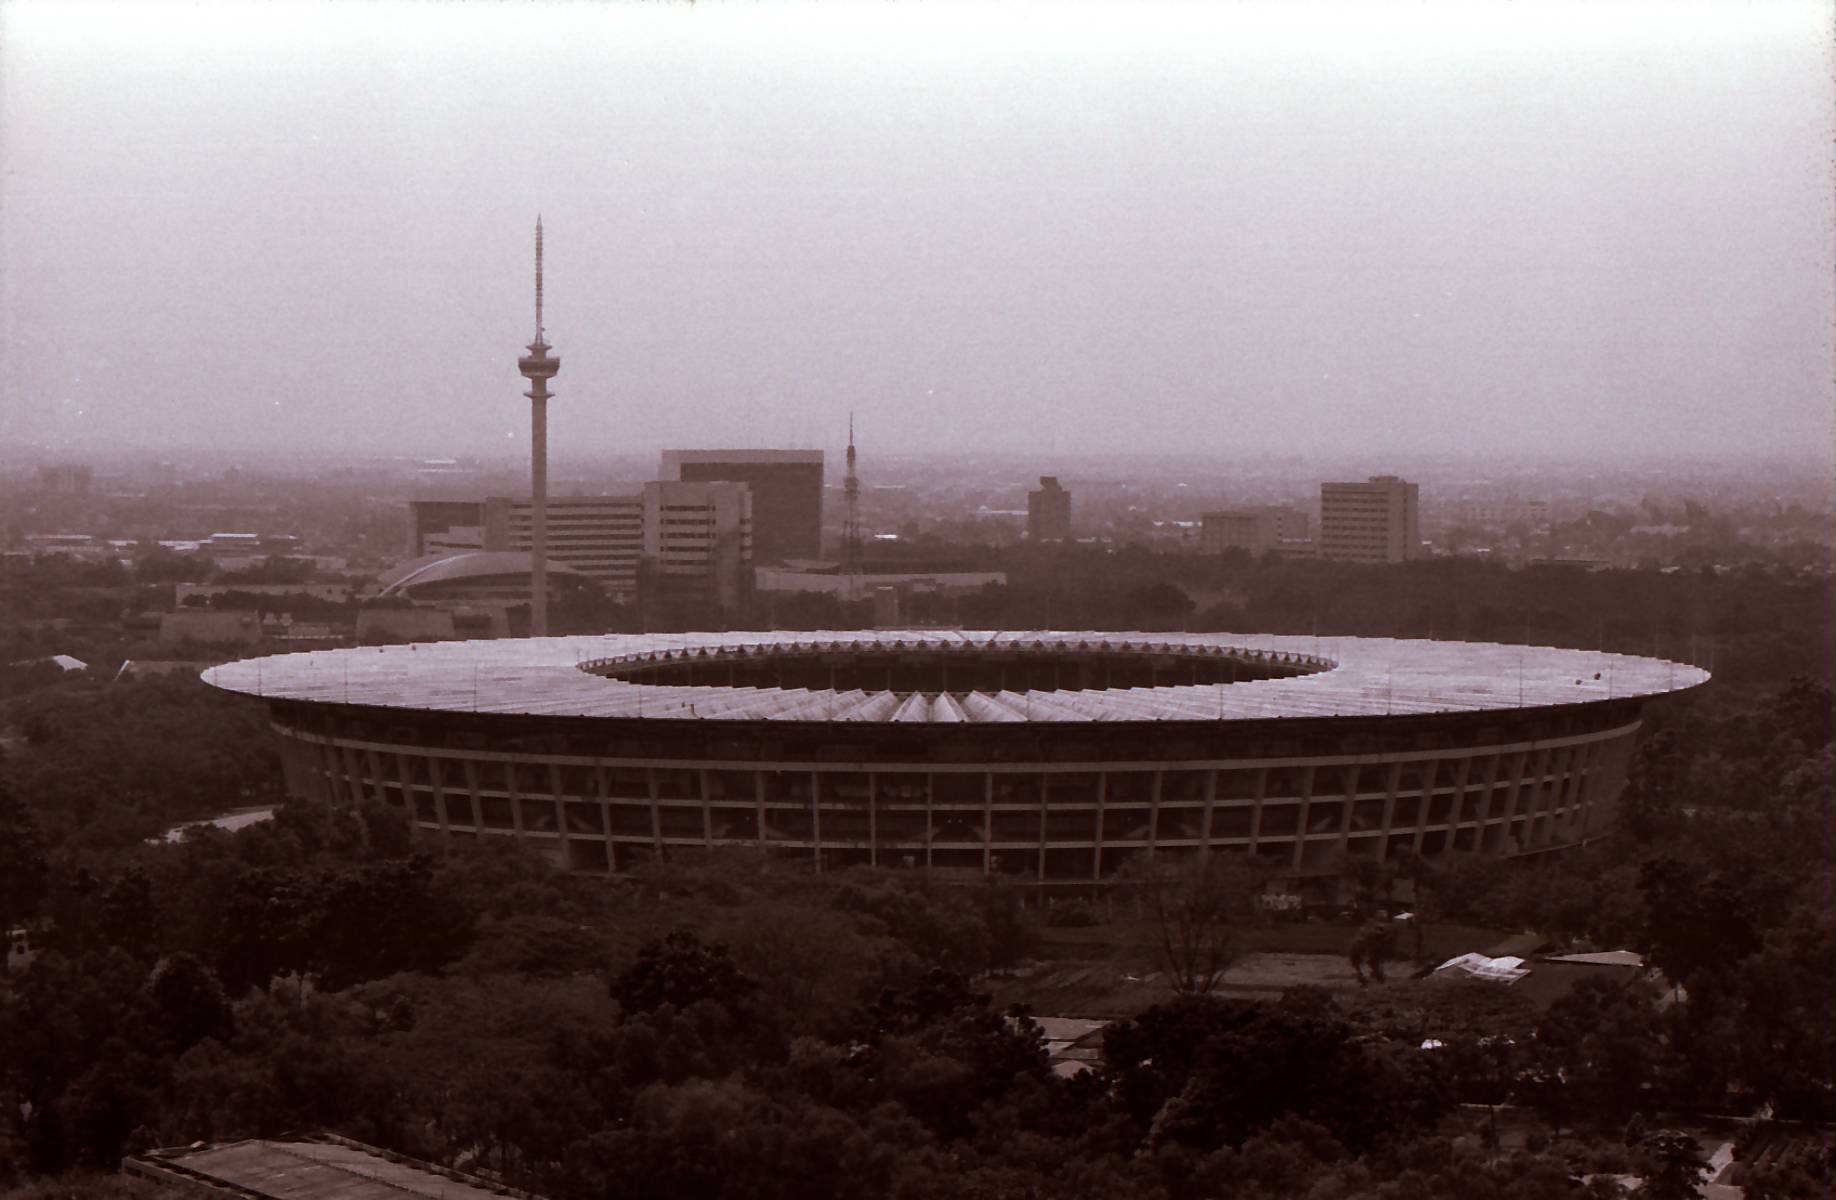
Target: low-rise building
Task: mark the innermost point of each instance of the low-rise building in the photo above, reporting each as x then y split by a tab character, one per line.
679	537
319	1166
1258	529
210	625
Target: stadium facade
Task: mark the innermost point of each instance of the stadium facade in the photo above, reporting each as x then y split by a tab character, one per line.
1053	758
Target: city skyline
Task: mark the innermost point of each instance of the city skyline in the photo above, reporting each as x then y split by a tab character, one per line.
1402	233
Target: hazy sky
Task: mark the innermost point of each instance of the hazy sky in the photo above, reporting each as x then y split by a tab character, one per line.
1408	226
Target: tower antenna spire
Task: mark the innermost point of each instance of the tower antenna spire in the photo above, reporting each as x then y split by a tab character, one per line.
538	336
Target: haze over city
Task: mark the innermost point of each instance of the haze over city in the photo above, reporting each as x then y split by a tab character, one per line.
1070	601
1430	229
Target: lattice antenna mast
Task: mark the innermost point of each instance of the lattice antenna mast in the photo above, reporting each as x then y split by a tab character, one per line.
851	527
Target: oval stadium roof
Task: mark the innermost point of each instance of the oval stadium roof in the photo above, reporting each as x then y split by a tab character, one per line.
1363	677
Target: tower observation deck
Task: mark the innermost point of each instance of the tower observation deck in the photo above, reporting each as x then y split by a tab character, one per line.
538	367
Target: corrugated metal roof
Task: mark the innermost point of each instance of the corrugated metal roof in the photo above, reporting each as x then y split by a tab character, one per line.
316	1170
1361	677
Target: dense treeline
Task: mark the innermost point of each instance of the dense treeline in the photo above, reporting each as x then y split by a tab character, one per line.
112	762
732	1025
1754	625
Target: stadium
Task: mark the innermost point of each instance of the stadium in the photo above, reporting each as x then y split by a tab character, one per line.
1051	758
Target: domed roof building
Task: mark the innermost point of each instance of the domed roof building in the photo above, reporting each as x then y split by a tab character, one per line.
476	576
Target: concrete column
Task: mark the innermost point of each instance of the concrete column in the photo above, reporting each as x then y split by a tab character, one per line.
1154	816
873	819
930	818
758	791
1485	800
987	824
1352	773
1306	804
602	788
354	761
1461	769
1211	807
1096	853
1580	771
333	788
373	761
1520	762
816	821
1262	787
555	797
1591	785
1043	796
707	810
404	767
1539	794
436	772
514	790
1389	804
656	817
470	768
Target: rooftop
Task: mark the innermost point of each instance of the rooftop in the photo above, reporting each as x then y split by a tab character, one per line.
468	564
320	1167
571	677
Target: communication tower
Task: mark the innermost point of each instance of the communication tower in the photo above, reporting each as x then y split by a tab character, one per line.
538	367
851	528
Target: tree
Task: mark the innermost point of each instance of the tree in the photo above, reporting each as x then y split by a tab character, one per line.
680	970
188	1002
942	926
128	916
940	1050
22	861
1162	605
1010	934
377	918
1800	1170
1371	946
1197	906
1602	1041
1700	917
1205	1072
1674	1167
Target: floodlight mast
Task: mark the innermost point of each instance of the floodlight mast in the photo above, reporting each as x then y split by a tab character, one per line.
538	366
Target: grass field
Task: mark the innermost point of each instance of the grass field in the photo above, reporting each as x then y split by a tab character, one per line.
1439	942
1114	970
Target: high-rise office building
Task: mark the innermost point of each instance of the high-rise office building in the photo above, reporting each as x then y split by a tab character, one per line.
434	526
1372	522
602	537
786	494
676	538
1048	512
698	543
